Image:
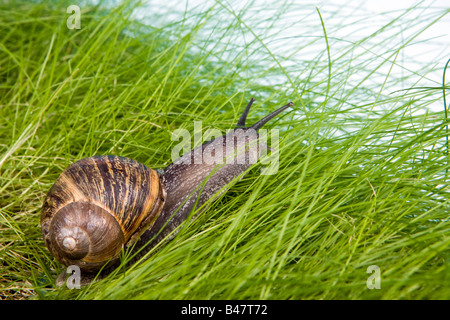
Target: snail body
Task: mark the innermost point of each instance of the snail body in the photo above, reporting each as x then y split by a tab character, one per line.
101	204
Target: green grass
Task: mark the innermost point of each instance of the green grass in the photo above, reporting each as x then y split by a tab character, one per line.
363	155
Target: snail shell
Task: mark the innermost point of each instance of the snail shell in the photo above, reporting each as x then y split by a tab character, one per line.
98	198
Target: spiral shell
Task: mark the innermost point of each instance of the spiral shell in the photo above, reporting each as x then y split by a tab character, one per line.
97	206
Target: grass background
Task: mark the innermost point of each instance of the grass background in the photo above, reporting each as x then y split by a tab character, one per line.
363	154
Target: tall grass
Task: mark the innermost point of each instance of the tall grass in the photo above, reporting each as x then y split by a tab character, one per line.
363	156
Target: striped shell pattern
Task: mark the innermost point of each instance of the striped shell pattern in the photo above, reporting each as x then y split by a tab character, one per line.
97	206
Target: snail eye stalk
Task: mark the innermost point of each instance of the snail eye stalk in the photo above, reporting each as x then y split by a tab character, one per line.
270	116
243	118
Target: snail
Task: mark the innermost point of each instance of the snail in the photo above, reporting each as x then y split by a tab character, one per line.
102	204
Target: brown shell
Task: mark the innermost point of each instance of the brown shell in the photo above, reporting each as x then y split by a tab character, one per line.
98	205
